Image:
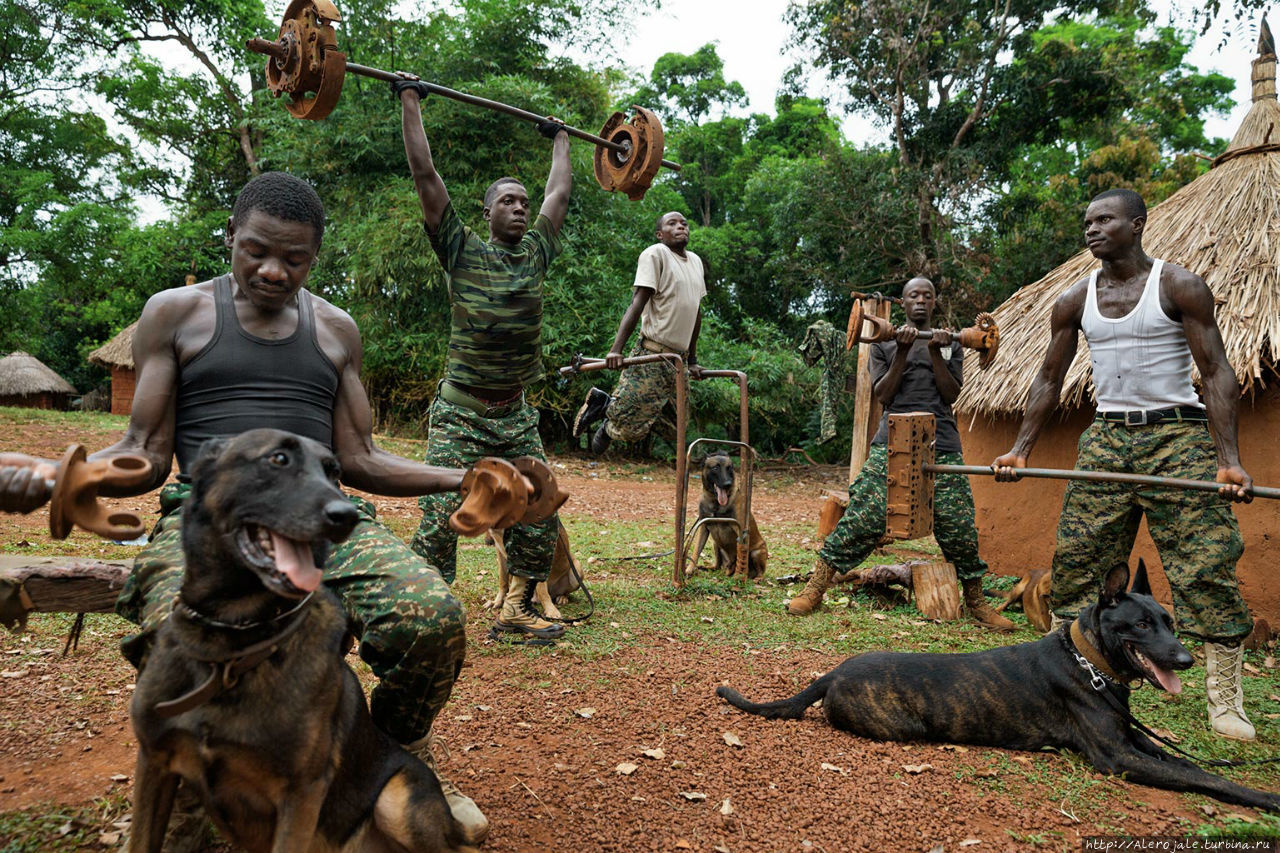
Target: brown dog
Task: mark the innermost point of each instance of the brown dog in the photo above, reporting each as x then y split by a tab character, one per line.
246	695
720	496
555	590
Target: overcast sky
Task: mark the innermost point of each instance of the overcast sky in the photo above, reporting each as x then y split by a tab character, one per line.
750	36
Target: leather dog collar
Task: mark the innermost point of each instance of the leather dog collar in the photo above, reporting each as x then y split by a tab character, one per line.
1091	653
224	673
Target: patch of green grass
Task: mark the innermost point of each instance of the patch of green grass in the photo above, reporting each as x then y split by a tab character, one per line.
84	422
52	829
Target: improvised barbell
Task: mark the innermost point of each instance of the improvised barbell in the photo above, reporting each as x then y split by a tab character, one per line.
910	471
983	336
498	494
74	500
306	64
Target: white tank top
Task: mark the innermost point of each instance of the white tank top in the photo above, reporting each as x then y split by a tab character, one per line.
1140	360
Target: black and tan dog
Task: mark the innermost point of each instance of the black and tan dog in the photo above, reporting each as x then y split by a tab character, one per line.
245	694
1049	693
720	500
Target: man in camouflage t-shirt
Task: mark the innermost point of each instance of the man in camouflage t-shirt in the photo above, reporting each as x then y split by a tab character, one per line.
495	343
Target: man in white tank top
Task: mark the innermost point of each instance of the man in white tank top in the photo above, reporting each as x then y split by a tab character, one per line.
1147	322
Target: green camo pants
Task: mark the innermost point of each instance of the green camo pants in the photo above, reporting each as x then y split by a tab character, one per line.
863	524
638	400
410	626
458	437
1195	532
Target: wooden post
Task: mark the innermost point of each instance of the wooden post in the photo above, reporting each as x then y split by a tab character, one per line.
866	408
937	595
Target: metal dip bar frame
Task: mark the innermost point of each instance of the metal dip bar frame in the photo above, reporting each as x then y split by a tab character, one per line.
584	364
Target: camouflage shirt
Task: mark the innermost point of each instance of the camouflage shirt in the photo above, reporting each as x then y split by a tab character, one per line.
495	295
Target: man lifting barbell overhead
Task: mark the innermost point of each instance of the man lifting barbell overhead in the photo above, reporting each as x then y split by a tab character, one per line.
1147	322
919	369
495	351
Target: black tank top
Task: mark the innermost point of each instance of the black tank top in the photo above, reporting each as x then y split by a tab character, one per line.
240	382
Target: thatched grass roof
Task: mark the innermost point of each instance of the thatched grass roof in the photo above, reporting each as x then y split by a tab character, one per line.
22	374
117	352
1224	225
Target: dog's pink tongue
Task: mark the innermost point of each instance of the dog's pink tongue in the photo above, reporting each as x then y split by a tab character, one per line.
296	562
1168	679
721	495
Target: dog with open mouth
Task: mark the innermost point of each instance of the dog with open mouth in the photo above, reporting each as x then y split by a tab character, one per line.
246	696
719	499
1068	690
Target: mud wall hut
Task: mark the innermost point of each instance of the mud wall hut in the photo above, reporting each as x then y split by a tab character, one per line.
117	356
1225	226
26	381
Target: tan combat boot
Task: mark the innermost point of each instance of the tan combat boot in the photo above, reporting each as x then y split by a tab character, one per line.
982	612
810	598
1224	689
518	616
474	825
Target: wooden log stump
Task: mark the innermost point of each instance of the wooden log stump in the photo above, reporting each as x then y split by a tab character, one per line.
936	590
59	585
832	511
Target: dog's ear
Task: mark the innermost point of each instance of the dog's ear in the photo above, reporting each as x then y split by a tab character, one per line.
1115	583
1141	583
208	455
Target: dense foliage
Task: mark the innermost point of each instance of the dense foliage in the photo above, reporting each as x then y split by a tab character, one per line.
1001	127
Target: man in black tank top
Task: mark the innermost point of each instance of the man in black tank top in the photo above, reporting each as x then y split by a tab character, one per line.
254	349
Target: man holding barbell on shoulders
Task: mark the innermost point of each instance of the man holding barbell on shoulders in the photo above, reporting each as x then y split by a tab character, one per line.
1147	322
495	351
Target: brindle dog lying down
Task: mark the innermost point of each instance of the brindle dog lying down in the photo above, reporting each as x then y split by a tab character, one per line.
245	694
1027	696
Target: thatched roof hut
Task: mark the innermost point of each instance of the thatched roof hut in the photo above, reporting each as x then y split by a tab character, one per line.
1225	226
117	355
117	352
26	381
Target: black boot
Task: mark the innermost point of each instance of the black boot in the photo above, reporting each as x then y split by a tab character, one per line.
600	440
592	410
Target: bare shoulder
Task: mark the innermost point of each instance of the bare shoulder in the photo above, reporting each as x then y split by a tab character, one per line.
168	313
338	334
1175	280
1069	307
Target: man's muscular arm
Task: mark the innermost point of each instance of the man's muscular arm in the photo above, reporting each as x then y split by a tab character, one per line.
1194	301
366	466
555	200
26	482
1064	326
432	194
943	379
639	298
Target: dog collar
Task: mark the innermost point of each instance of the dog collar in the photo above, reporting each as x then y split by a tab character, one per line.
225	672
1088	656
196	616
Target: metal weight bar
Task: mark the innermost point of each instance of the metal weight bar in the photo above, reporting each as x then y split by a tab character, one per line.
1103	477
305	63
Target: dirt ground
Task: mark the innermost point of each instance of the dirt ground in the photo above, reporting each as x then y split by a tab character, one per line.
629	751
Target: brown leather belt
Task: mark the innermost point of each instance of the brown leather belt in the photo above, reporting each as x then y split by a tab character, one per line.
654	346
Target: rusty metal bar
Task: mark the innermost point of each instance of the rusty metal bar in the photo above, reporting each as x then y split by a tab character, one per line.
747	459
582	364
280	52
1102	477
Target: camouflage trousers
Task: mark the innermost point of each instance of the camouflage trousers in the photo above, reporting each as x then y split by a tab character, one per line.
457	438
863	524
639	397
1195	532
410	627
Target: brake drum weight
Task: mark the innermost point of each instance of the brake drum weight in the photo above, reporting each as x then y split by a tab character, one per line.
305	63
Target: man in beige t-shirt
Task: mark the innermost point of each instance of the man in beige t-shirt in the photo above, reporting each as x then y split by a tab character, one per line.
670	283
